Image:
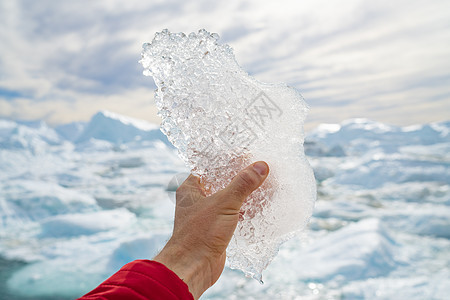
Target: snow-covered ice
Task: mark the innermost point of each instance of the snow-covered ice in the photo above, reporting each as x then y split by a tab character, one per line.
73	212
221	120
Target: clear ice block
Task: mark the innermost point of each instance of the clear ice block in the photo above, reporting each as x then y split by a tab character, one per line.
221	119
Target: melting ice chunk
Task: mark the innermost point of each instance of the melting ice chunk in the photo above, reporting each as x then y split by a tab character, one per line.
220	119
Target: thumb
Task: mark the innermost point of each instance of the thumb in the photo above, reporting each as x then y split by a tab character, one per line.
244	183
190	190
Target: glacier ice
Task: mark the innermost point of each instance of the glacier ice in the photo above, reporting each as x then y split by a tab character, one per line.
221	119
414	215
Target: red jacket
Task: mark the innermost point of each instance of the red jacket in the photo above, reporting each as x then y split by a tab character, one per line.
142	280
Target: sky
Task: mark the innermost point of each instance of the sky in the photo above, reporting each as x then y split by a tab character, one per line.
389	61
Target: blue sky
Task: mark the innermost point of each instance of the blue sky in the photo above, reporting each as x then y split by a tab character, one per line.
63	61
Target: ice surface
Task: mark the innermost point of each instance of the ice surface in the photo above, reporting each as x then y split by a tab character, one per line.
399	257
370	243
221	120
70	225
25	201
32	136
358	136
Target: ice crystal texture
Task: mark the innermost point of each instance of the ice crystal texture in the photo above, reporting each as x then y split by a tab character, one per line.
220	119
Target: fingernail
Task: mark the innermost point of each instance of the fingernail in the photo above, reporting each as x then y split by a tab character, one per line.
260	167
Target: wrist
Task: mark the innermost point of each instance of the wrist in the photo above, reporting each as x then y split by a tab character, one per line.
194	270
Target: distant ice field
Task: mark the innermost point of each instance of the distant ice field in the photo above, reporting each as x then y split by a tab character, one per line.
80	200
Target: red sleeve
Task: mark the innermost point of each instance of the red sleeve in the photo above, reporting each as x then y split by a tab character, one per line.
142	280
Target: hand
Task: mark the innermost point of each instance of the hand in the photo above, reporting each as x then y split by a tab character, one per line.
203	227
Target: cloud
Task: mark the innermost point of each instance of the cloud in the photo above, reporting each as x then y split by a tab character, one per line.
136	103
384	60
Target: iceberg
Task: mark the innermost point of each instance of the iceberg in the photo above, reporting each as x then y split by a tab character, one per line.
118	129
35	137
221	119
346	253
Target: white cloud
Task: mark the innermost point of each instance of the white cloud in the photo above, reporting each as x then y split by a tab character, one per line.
136	103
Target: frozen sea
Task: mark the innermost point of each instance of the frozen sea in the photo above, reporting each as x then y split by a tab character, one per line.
80	200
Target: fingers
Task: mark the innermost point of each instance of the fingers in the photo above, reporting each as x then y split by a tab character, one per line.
244	184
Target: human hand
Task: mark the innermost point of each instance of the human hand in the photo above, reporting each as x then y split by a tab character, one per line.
203	227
